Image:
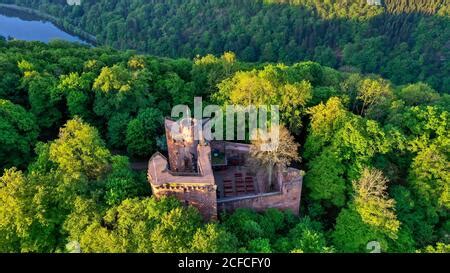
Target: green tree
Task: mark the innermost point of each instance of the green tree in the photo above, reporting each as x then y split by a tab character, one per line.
43	99
259	245
373	203
351	234
439	248
121	183
325	178
430	179
18	134
414	216
274	85
175	232
307	237
142	130
372	93
117	130
326	119
79	151
418	94
15	222
243	223
125	228
76	89
213	239
115	78
30	215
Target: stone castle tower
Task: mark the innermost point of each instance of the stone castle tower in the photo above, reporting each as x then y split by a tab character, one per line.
213	176
187	174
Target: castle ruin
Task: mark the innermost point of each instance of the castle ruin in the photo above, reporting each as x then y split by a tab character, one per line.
214	177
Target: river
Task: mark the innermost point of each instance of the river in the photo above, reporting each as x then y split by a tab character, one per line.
22	26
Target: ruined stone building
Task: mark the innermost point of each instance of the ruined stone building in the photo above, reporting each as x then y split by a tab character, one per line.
214	177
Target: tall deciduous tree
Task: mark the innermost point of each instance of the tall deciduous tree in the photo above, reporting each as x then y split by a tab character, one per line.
43	99
274	85
18	134
140	131
274	149
372	92
176	230
79	151
213	239
373	204
325	178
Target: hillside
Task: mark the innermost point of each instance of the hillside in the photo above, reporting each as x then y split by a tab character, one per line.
404	41
73	117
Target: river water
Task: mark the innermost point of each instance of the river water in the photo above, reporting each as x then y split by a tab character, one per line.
22	26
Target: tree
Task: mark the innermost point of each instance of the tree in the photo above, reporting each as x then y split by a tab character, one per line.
325	178
430	179
295	97
125	228
180	92
18	134
83	214
372	93
43	99
325	56
121	183
418	94
15	222
373	203
142	130
117	130
111	79
98	239
369	217
276	149
213	239
208	71
30	215
427	130
175	232
326	119
76	89
307	237
274	85
243	223
259	245
351	234
118	89
414	216
79	151
439	248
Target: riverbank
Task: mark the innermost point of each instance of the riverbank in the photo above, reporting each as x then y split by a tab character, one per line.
60	23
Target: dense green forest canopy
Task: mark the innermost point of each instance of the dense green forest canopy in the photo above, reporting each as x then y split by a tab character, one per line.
405	41
72	118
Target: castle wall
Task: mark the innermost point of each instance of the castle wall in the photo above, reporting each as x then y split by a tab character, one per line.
287	199
203	197
197	186
198	190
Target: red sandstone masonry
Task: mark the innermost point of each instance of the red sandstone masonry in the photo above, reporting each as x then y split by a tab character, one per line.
199	188
287	199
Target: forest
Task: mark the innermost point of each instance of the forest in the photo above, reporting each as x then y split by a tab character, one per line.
74	118
404	41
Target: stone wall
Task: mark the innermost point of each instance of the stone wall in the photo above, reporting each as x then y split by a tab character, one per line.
287	199
198	190
203	197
